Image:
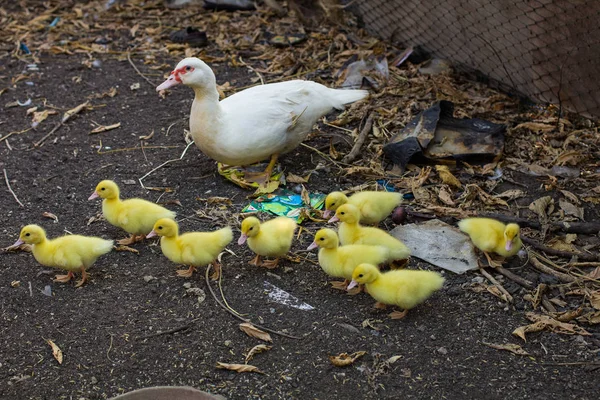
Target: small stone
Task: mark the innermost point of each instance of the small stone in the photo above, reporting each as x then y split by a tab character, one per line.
228	343
148	278
187	285
96	64
442	350
432	337
288	270
477	279
93	380
129	182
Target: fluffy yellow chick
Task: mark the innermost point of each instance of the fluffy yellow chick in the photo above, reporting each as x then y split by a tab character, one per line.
192	248
272	238
340	262
351	232
136	216
403	288
492	236
71	252
374	207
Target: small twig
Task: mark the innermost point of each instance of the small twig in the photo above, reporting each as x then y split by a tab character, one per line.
10	189
170	331
262	81
360	140
163	164
30	289
514	277
110	346
214	295
138	71
560	253
547	270
223	295
9	134
586	228
42	140
509	298
325	156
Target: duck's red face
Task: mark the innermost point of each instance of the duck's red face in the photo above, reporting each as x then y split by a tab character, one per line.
175	77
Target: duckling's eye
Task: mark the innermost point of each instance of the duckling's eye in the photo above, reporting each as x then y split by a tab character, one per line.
343	213
187	68
28	234
103	189
360	276
251	228
160	228
322	239
332	204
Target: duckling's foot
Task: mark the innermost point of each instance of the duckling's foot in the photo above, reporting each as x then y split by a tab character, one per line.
186	273
354	291
398	314
84	276
64	278
270	264
380	306
131	240
217	274
491	262
340	285
399	264
255	261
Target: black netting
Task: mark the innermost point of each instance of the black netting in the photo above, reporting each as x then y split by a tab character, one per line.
547	50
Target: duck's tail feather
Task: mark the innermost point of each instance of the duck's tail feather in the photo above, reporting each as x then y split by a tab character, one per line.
349	96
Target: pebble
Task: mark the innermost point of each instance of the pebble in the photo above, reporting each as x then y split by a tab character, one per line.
477	279
442	350
149	278
228	343
94	380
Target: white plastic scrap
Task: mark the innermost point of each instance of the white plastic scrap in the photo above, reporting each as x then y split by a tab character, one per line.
282	297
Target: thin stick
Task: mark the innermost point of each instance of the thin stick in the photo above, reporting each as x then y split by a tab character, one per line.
10	189
30	290
170	331
110	346
547	270
163	164
560	253
360	140
512	276
214	295
262	81
223	295
9	134
586	228
509	298
42	140
138	71
325	156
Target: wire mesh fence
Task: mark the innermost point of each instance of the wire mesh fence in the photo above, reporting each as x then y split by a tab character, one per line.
546	50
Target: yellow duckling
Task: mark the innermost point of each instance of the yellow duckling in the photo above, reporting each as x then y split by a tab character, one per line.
403	288
272	238
136	216
71	252
492	236
374	206
351	232
340	262
192	248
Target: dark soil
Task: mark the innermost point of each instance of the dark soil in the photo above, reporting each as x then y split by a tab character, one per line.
105	328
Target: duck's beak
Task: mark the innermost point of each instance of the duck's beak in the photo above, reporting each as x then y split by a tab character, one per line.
242	239
169	83
151	234
313	245
508	245
18	243
352	285
327	213
333	219
94	195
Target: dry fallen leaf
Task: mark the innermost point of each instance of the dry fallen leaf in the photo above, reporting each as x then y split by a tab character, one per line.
571	209
56	351
259	348
74	111
253	331
541	322
447	176
513	348
542	207
536	127
594	298
292	178
445	195
238	367
345	359
50	215
104	128
511	194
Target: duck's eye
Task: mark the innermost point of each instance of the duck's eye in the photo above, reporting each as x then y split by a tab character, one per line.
160	228
28	234
187	68
251	228
343	213
360	276
322	239
103	189
332	204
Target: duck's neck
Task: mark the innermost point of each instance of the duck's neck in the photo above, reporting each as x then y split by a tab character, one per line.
206	119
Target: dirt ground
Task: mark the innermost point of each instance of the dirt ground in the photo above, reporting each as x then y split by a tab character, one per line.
112	330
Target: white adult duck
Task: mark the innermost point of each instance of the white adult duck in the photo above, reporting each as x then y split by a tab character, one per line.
257	123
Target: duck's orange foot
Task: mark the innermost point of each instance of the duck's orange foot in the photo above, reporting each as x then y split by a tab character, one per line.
340	285
255	261
380	306
354	291
187	273
64	278
131	239
398	314
217	273
84	277
270	264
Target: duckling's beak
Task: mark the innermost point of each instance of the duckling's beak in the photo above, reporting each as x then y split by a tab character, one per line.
508	245
18	243
313	245
333	219
242	239
151	234
94	195
170	82
352	285
327	213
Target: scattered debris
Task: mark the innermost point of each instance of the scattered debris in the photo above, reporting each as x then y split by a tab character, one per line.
239	368
56	351
345	359
259	348
287	204
282	297
253	331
